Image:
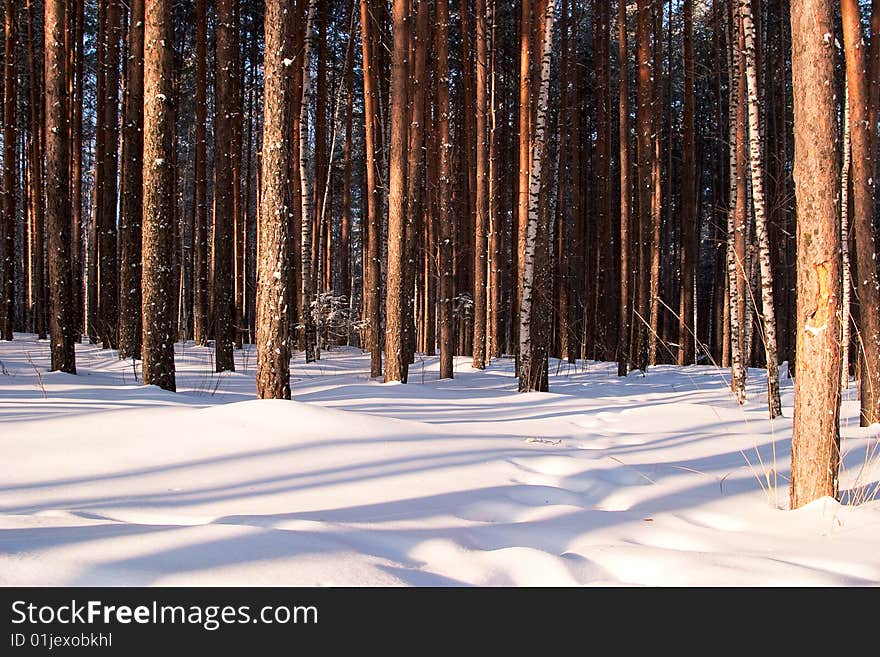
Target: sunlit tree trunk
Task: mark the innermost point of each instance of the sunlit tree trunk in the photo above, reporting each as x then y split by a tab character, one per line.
815	453
273	351
863	136
756	167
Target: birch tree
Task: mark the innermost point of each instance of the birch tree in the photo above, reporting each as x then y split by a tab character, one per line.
756	167
533	354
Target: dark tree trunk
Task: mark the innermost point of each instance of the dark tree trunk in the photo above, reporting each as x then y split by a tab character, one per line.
131	213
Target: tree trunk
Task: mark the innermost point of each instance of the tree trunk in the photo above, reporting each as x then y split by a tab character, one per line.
846	270
481	224
200	184
644	145
444	263
863	136
623	355
273	355
373	220
108	273
686	327
532	343
815	453
306	173
734	264
131	213
158	219
346	222
415	180
61	329
525	162
10	147
224	217
35	182
756	166
656	183
396	366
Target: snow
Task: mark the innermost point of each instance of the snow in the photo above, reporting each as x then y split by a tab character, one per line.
648	480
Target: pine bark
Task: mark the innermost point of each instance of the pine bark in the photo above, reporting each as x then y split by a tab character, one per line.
644	149
273	351
481	223
525	162
106	221
10	147
444	261
131	212
396	365
815	455
200	183
686	327
862	135
61	329
35	183
415	178
158	197
224	217
623	354
373	221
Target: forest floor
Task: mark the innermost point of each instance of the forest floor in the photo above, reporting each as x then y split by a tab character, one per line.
647	480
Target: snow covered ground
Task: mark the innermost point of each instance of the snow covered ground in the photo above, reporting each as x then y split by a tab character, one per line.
648	480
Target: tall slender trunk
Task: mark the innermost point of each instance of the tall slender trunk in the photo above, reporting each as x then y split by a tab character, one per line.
273	350
756	167
396	365
158	199
656	183
224	208
131	213
200	184
644	149
734	264
864	155
372	219
846	270
623	355
35	182
61	328
481	224
346	222
444	262
533	346
686	327
525	162
10	147
415	177
76	183
108	272
493	338
815	451
306	173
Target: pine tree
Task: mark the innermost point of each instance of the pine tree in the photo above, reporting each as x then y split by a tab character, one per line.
61	328
273	355
815	453
158	200
131	210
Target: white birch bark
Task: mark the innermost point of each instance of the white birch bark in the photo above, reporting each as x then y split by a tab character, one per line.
307	181
528	380
738	375
756	167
